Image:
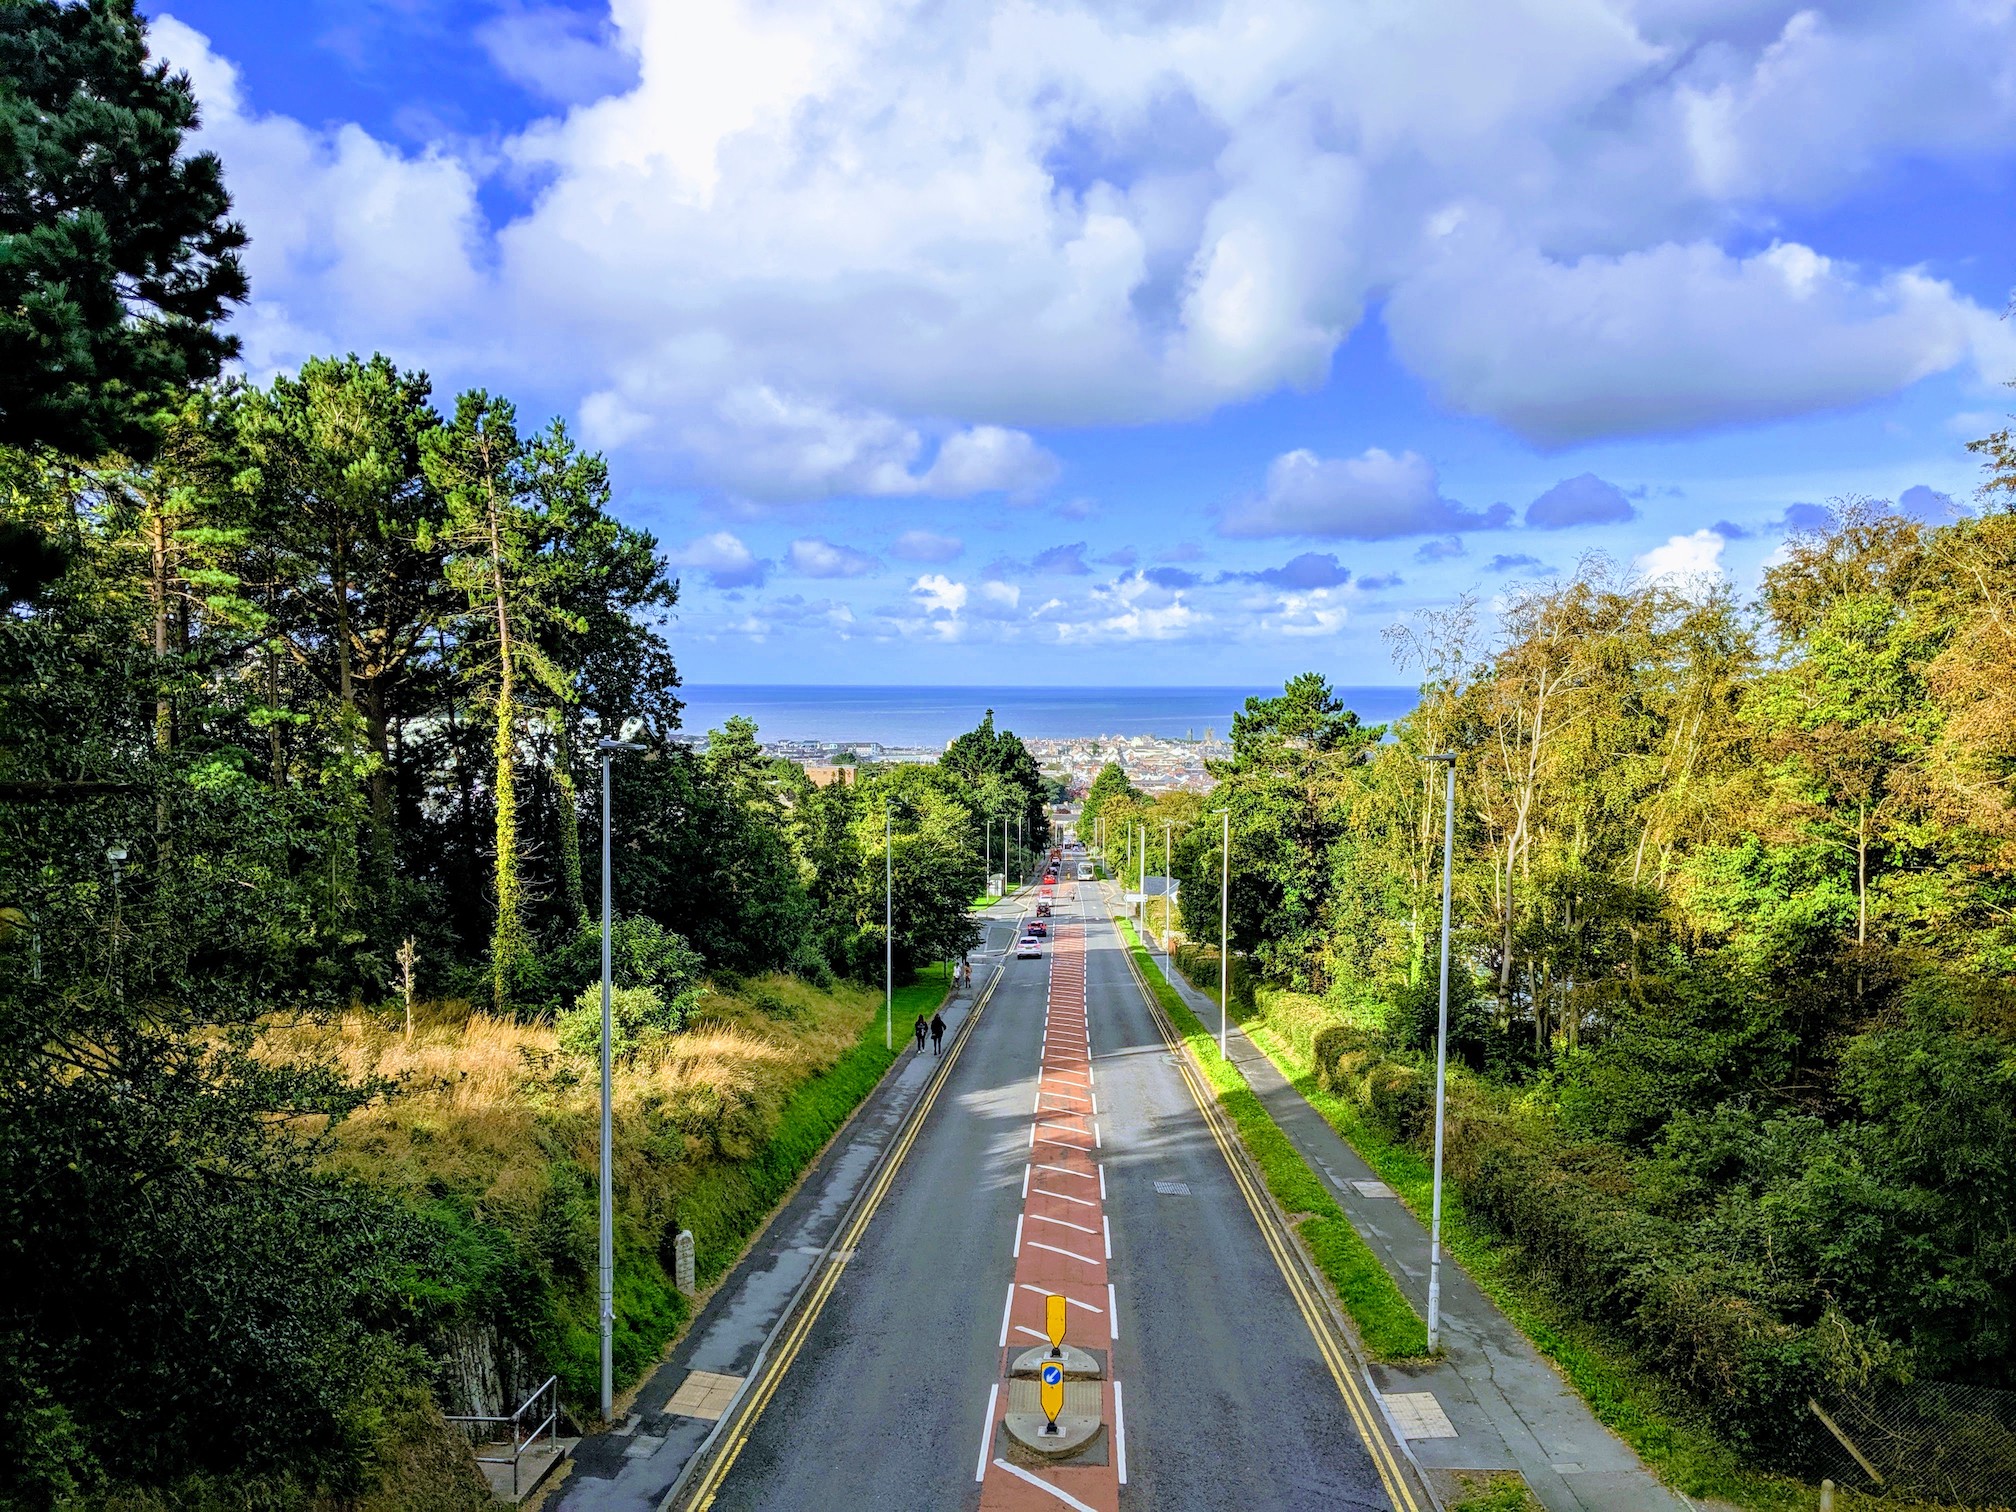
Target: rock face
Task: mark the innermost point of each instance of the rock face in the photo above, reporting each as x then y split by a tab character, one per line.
486	1375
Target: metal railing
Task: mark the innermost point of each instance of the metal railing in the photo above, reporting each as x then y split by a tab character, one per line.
1953	1446
546	1397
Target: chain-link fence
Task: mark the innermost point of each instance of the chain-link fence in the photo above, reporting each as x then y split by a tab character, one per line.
1949	1445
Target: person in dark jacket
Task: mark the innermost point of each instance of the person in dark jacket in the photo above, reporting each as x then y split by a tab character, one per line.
919	1031
937	1032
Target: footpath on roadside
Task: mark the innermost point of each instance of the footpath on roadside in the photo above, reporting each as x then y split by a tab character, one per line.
1492	1402
631	1465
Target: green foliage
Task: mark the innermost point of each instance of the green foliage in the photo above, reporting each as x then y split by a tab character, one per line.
116	257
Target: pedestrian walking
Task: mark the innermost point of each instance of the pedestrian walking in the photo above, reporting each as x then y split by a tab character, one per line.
919	1031
937	1032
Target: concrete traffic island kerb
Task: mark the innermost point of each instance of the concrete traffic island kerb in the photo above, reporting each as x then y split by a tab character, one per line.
1079	1364
1074	1430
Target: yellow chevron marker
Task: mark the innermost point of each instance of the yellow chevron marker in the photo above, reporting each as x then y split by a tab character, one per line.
1057	1307
1051	1392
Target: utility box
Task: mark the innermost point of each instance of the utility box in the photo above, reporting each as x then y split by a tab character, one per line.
682	1261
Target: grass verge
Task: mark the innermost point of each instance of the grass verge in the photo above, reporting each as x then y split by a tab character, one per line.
1387	1322
1623	1398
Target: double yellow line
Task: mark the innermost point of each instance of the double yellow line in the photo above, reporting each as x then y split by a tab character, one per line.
1281	1244
778	1363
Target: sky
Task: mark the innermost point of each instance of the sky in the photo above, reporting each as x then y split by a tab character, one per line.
1149	341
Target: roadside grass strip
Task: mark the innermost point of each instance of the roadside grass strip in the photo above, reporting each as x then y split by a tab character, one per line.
1387	1323
1622	1396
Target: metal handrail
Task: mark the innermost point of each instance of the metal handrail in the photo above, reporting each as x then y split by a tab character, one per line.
521	1441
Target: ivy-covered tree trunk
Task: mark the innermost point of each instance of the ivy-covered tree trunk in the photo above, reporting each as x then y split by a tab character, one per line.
509	943
570	819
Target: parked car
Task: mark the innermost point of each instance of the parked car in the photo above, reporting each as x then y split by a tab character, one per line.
1029	948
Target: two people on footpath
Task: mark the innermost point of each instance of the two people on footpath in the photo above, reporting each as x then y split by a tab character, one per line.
920	1029
935	1028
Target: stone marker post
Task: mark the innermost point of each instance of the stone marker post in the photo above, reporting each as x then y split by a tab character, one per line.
682	1261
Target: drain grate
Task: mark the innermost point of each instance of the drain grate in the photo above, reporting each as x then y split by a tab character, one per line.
1173	1188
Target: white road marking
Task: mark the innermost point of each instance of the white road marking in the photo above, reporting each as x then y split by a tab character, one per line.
1061	1197
1090	1080
1044	1092
1044	1291
1063	1223
1095	1133
1042	1485
1068	1254
1025	1182
1102	1183
1025	1328
1032	1136
1065	1171
1018	1236
1107	1225
1007	1308
1119	1434
1095	1104
987	1429
1113	1313
1064	1144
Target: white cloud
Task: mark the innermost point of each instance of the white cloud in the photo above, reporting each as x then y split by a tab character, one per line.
355	245
1684	559
809	249
926	546
939	594
556	53
1671	338
815	556
1373	497
727	562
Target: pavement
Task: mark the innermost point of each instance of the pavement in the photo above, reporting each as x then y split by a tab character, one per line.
1493	1402
893	1395
631	1466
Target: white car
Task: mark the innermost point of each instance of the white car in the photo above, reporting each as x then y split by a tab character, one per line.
1029	948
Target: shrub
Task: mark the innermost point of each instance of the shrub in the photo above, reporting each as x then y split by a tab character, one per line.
1200	964
635	1014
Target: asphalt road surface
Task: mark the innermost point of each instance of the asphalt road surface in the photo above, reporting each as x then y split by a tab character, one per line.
894	1401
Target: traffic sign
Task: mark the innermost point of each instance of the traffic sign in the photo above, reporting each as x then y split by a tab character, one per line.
1055	1320
1052	1391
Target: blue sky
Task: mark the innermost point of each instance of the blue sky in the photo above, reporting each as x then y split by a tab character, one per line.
1159	341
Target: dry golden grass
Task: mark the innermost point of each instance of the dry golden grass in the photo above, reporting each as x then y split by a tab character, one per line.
483	1104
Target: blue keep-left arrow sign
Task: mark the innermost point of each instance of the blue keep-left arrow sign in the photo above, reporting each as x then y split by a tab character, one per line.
1053	1375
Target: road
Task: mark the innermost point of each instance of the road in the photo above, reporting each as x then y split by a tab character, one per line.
1225	1397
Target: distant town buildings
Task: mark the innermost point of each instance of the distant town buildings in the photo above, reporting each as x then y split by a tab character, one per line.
1152	763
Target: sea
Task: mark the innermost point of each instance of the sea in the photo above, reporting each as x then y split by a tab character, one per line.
927	717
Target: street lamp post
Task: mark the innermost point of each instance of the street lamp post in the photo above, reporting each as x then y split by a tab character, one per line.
1225	940
116	854
888	928
606	1256
1448	761
1168	873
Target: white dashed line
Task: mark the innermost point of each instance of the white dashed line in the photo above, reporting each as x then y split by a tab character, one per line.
1119	1434
987	1426
1112	1312
1007	1308
1018	1236
1107	1225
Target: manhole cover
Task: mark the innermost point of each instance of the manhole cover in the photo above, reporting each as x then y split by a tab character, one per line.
1173	1188
1373	1189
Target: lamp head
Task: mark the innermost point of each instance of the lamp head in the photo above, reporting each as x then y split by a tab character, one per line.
115	852
608	747
1443	756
